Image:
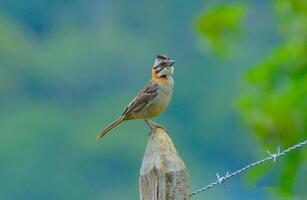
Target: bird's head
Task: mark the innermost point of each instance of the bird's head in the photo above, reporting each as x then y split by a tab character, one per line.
163	67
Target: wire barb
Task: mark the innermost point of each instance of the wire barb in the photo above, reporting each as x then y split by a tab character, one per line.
222	179
272	156
275	155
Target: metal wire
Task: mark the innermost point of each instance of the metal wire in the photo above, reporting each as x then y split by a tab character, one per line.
274	157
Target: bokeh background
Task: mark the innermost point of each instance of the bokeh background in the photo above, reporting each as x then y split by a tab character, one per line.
68	68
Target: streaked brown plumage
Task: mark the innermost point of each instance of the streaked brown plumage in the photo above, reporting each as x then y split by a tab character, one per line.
153	99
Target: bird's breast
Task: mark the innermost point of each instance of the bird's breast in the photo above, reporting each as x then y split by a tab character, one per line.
161	101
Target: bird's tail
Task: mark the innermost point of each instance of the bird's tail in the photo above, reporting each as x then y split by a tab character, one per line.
110	127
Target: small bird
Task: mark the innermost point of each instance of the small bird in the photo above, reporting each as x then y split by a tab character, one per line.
153	99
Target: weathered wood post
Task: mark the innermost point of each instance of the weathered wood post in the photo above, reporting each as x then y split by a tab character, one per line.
163	174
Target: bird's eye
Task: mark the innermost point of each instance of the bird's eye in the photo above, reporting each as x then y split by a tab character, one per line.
162	64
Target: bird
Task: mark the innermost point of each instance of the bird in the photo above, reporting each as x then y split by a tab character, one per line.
153	99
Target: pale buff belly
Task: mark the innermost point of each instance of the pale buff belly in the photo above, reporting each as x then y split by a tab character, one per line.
156	107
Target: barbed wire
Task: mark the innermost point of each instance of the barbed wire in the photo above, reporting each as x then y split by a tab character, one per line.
273	156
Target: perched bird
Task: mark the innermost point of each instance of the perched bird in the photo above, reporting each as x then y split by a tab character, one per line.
153	99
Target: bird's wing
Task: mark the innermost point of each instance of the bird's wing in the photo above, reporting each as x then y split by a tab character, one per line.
143	98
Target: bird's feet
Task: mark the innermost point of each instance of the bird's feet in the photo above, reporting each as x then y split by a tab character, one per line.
153	126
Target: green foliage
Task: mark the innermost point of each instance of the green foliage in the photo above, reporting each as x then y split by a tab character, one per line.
276	103
274	100
220	25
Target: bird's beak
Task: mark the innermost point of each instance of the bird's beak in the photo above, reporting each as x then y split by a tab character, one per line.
171	63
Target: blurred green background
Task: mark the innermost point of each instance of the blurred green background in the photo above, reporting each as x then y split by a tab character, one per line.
68	68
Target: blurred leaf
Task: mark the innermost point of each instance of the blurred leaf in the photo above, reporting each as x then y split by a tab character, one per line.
274	101
220	25
255	174
289	172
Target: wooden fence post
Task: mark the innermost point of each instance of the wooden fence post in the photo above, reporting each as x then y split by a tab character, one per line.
163	174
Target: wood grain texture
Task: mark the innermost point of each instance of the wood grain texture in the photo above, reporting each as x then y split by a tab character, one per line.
163	174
